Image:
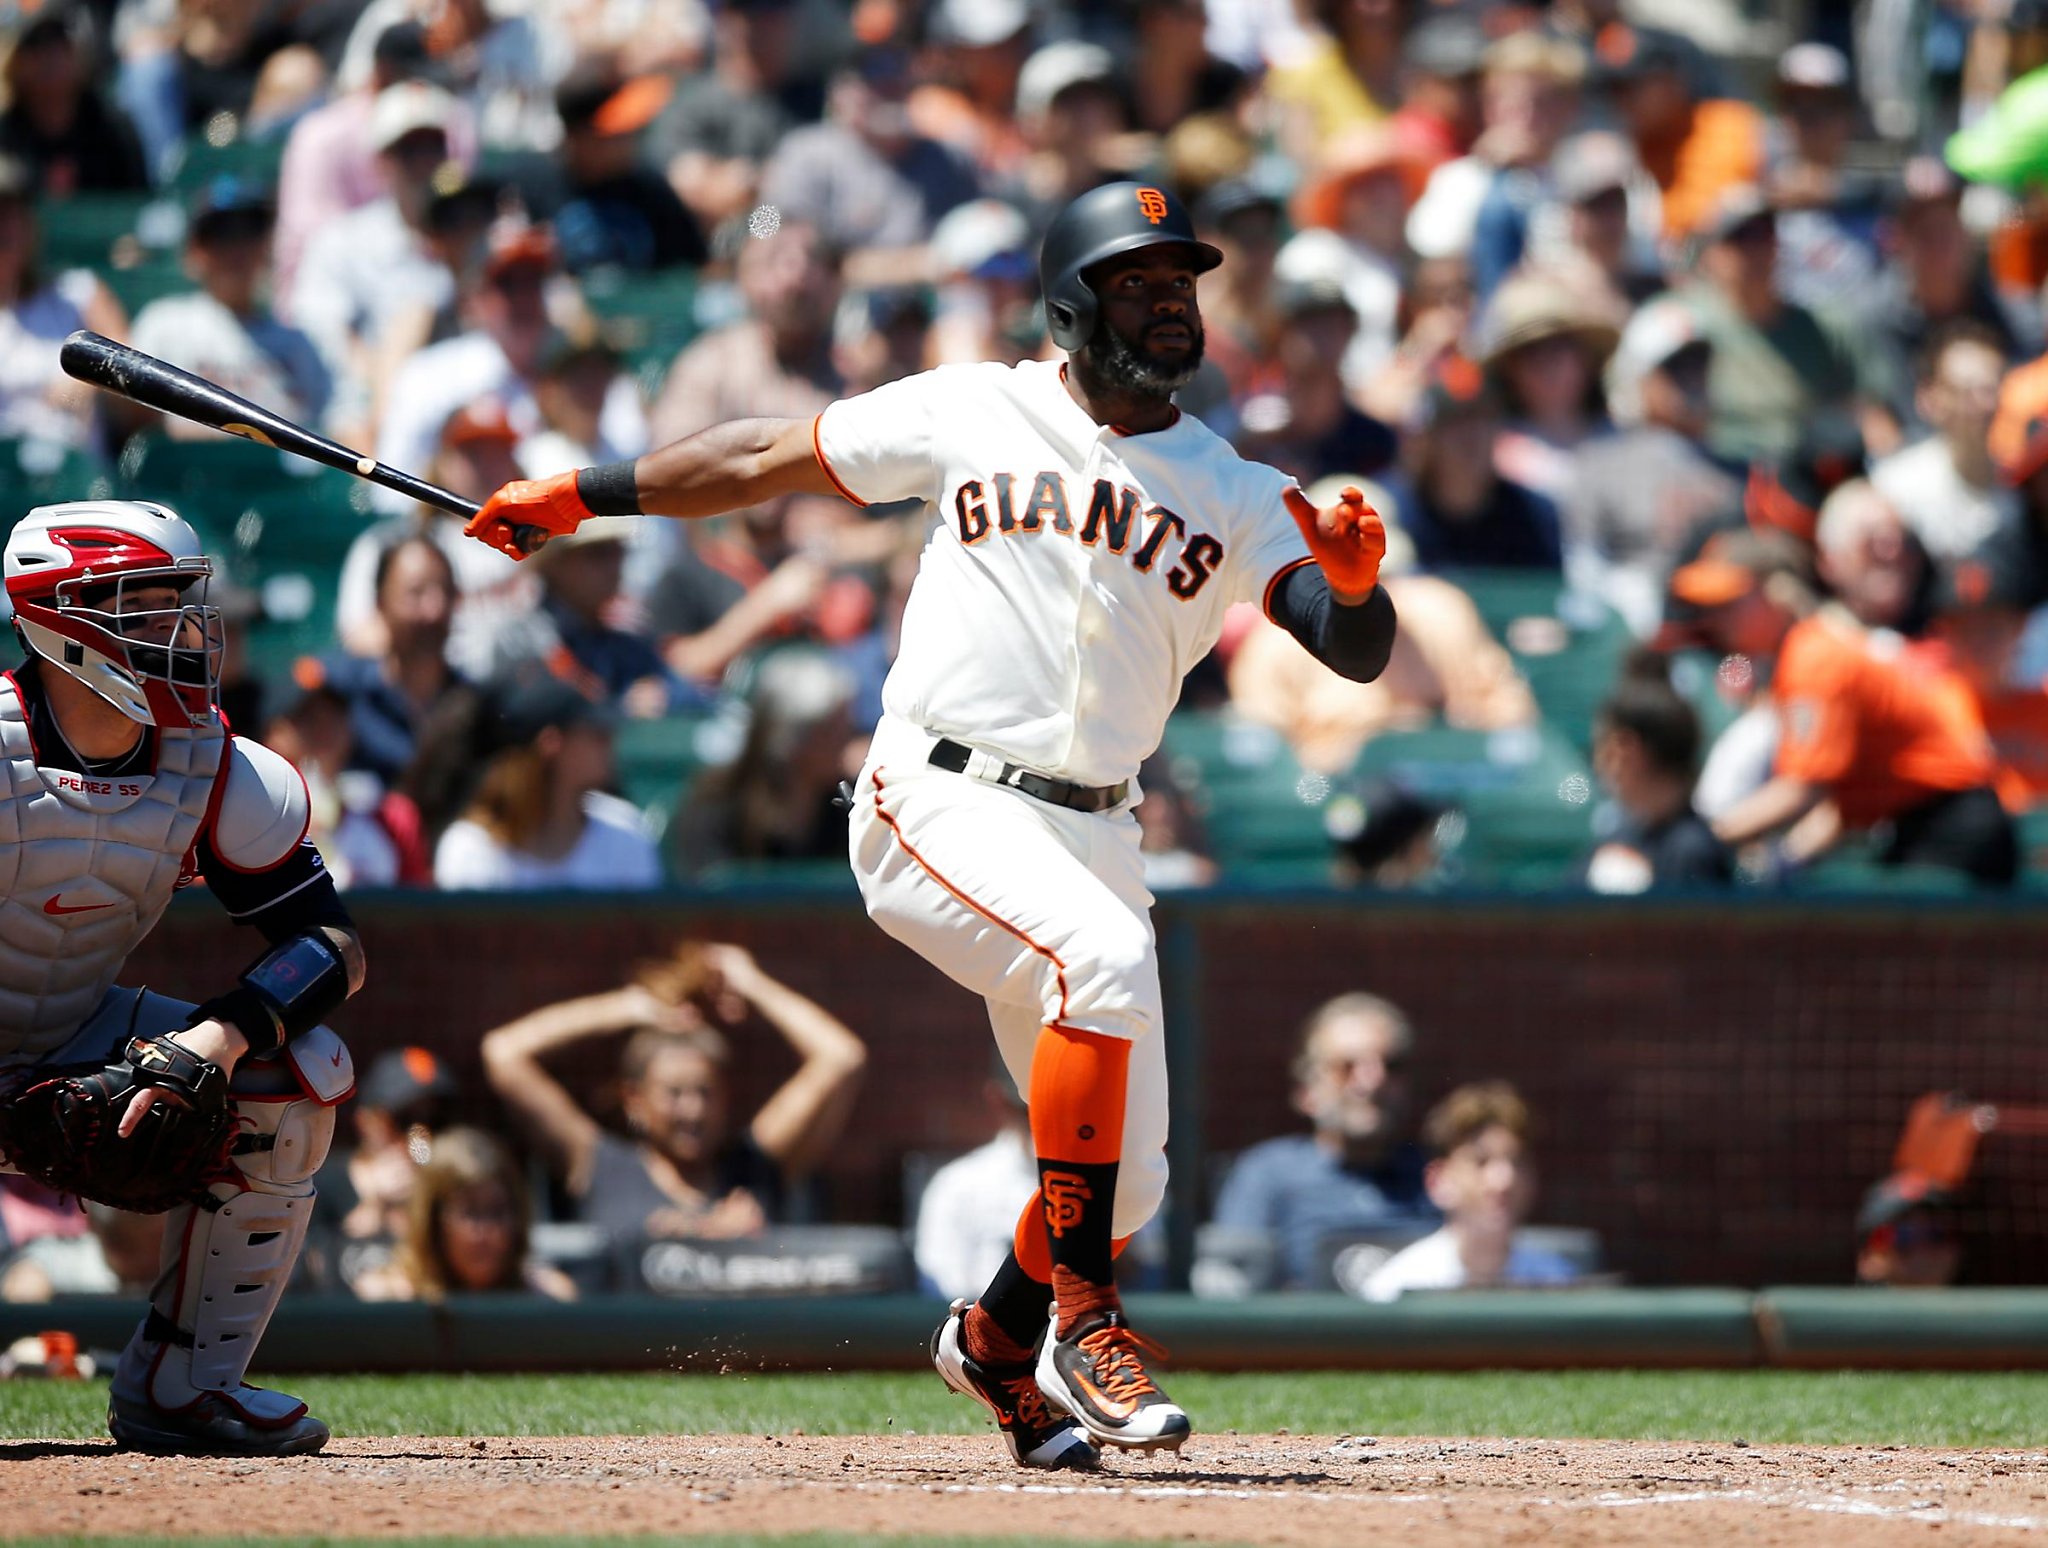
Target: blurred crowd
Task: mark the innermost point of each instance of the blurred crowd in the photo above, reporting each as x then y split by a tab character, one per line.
1581	297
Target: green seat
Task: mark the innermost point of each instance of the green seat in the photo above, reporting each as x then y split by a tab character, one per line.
153	278
1568	646
81	232
36	473
1523	797
647	318
217	151
1259	806
657	760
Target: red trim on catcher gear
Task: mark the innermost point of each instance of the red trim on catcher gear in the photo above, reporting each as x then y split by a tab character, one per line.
1059	967
208	823
818	451
188	868
93	550
1273	585
177	1305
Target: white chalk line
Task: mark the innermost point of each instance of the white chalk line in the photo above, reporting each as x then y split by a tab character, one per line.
1836	1503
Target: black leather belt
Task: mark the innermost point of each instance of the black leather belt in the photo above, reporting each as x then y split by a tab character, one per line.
952	756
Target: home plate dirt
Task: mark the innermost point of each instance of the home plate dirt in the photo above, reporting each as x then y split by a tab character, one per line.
1319	1492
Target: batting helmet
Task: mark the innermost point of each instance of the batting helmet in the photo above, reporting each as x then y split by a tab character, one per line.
1103	222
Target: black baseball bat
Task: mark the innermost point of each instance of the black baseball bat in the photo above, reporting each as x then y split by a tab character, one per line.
158	384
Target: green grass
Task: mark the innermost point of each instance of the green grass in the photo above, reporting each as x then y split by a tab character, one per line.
1846	1408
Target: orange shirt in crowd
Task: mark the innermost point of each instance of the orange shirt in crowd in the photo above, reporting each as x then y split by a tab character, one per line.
1725	146
2017	720
1881	734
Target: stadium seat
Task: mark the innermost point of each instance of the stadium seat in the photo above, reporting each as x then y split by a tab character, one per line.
1567	645
1524	797
36	473
81	232
657	759
219	151
1258	803
647	318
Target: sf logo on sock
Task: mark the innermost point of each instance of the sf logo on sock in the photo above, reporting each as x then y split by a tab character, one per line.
1065	1193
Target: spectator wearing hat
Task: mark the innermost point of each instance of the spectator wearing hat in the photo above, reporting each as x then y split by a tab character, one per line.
985	275
1385	836
687	1166
474	454
1864	738
1350	213
977	50
1869	559
365	268
1529	101
1544	342
498	358
1646	750
1906	1234
1777	366
224	330
1297	417
1991	636
1600	225
403	1101
330	163
38	311
55	120
1829	214
609	209
568	635
1240	317
540	817
1695	147
1483	1178
1442	59
1076	121
1462	511
1355	1169
2019	446
1636	494
870	184
1445	667
1936	274
722	123
1946	486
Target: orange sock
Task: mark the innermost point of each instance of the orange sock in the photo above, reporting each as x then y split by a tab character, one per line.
1078	1084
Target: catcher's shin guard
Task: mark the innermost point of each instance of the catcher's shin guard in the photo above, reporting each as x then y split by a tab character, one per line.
179	1383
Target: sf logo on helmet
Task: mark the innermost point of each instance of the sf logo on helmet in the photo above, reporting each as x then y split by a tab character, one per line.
1152	204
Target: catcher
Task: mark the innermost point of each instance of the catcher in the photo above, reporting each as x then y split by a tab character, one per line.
119	784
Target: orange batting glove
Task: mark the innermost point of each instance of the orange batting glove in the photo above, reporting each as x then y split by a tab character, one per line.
525	514
1348	540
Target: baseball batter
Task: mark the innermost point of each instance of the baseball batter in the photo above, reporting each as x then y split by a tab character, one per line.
1086	542
119	784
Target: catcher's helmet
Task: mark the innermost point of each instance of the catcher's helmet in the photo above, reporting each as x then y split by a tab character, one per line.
75	574
1103	222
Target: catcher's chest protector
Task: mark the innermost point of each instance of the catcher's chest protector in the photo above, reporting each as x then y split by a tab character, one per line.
87	865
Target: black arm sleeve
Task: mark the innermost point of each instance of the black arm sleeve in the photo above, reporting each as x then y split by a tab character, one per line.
293	896
1353	642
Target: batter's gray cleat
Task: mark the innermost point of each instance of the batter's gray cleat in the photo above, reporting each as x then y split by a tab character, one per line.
215	1425
1032	1428
1098	1375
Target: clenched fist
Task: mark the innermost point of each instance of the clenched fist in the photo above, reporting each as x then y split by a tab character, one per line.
525	514
1348	540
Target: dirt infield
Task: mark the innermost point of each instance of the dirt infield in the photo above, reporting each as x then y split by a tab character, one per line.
1315	1492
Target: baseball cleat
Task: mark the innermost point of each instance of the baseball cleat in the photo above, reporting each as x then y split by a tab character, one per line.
1099	1377
1036	1433
213	1426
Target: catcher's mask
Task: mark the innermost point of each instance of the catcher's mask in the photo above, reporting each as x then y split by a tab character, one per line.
114	593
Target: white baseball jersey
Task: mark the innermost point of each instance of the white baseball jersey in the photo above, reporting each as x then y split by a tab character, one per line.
1076	572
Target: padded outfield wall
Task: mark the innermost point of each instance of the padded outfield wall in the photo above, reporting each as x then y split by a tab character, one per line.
1717	1084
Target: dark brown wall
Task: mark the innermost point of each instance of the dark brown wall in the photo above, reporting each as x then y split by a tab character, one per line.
1716	1088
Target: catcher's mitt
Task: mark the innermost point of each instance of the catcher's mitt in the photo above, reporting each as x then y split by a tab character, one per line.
60	1125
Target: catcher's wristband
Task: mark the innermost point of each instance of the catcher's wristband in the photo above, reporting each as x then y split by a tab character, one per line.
291	989
609	489
170	1065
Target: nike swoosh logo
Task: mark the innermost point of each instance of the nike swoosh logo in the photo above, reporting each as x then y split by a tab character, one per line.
53	907
337	1058
1116	1408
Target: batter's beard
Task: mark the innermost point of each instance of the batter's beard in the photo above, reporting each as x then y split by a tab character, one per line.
1115	364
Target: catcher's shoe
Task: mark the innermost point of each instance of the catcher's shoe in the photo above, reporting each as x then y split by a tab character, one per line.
1033	1429
1098	1375
248	1422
